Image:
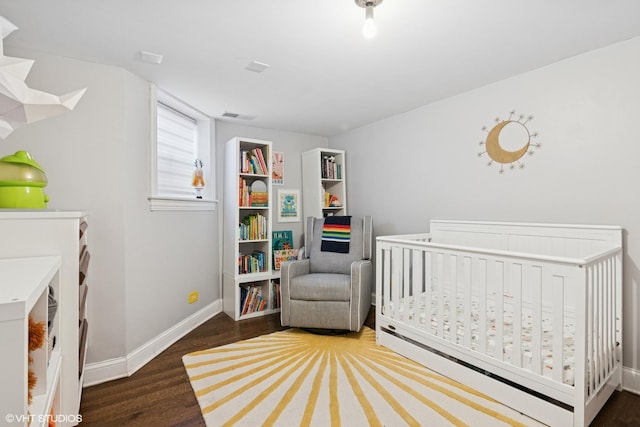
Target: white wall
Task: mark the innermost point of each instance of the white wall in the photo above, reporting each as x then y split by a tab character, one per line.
168	254
422	165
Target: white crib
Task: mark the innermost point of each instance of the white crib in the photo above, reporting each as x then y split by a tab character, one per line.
529	314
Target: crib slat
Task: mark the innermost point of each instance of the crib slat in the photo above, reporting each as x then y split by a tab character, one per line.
396	279
515	283
501	268
386	281
416	285
593	329
440	292
589	329
481	276
467	301
598	320
611	321
452	267
582	383
604	345
405	289
557	285
430	274
534	282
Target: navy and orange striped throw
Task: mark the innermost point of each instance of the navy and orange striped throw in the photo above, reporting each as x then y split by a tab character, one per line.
336	234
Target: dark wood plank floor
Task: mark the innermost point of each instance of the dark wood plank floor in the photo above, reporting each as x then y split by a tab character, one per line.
159	394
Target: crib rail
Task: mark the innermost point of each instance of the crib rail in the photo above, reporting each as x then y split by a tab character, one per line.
553	323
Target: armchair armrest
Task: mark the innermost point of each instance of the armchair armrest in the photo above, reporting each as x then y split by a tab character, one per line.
289	270
361	286
361	278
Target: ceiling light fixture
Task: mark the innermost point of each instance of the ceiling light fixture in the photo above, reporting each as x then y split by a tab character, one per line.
369	29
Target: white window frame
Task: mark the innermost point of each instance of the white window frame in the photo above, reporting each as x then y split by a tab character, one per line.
206	145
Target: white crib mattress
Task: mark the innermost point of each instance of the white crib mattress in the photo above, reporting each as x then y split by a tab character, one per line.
407	312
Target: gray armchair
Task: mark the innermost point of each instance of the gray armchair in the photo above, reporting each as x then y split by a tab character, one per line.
329	290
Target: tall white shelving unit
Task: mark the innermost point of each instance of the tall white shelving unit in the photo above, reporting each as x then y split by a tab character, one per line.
24	293
38	233
323	171
247	249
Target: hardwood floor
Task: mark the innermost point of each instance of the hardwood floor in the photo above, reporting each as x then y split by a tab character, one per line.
159	394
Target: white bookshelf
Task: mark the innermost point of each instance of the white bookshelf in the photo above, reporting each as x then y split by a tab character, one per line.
24	293
323	171
239	245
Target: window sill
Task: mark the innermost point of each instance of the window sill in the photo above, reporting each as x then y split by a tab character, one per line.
176	204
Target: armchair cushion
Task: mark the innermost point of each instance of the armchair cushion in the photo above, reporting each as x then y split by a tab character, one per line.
321	287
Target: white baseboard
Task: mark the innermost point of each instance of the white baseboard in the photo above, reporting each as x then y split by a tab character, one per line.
631	380
107	370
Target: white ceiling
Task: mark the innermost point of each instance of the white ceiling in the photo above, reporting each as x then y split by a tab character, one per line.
325	78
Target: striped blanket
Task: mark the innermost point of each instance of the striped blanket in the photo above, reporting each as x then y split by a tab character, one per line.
336	234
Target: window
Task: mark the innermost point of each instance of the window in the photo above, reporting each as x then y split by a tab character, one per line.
181	137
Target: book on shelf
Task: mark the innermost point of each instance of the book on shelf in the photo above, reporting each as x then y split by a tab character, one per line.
255	262
261	161
244	292
282	255
253	227
330	168
253	162
259	199
251	299
253	195
281	240
275	293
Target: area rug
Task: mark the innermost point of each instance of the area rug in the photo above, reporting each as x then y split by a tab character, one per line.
294	377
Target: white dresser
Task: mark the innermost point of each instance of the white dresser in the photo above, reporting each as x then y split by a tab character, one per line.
37	233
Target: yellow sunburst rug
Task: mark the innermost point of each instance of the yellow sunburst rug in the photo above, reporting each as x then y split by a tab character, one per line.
294	377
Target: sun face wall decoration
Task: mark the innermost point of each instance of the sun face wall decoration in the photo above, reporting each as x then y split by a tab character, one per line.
508	141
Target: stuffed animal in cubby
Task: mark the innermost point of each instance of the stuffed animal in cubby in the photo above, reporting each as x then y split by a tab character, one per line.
37	335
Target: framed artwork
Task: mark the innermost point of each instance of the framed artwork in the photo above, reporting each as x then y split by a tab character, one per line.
277	168
288	205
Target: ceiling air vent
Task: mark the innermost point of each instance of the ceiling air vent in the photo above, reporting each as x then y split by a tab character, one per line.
256	67
237	116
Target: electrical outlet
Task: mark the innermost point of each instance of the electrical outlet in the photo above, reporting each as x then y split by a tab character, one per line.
193	297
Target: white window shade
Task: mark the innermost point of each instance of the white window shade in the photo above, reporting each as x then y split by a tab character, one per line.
176	152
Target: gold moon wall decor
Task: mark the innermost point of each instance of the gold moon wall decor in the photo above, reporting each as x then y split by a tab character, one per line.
508	141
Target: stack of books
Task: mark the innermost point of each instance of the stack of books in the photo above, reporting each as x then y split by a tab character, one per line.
330	169
253	227
251	299
254	263
253	162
